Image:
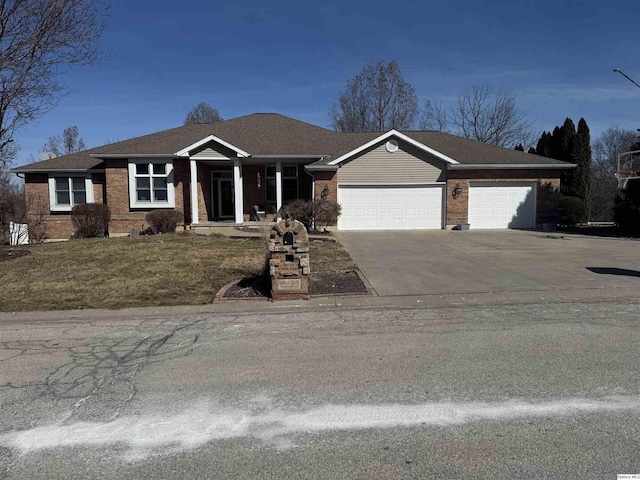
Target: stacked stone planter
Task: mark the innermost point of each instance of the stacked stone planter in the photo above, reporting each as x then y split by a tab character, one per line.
289	260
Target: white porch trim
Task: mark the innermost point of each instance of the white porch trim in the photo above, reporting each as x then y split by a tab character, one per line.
237	189
278	188
193	167
211	138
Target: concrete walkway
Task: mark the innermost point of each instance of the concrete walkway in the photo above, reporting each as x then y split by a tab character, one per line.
454	262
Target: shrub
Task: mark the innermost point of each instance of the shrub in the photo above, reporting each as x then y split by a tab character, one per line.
572	211
164	221
301	210
308	212
327	212
90	220
626	210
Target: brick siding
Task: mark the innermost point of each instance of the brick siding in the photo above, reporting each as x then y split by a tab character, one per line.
328	179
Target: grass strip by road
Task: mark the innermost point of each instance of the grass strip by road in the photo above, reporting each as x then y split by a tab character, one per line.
176	269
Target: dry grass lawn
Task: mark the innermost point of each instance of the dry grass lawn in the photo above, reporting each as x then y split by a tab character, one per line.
147	271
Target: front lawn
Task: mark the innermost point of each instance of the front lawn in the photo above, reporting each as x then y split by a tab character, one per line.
146	271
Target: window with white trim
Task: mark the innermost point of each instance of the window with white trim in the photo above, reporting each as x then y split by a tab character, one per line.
67	191
151	184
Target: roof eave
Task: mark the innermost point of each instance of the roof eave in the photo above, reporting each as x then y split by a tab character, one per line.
512	166
56	170
321	168
304	157
107	156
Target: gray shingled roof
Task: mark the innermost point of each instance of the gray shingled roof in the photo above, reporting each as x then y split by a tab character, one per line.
273	134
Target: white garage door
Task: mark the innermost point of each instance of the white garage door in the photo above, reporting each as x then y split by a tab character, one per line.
502	205
390	208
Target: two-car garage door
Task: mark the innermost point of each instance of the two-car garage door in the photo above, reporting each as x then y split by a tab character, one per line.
401	207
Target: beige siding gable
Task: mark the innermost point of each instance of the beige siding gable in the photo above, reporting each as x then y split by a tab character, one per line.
213	150
407	165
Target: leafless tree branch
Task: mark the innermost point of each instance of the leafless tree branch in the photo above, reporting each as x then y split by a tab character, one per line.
202	113
480	113
377	99
39	39
70	142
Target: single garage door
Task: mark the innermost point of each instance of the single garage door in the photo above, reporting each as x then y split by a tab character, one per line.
502	205
390	207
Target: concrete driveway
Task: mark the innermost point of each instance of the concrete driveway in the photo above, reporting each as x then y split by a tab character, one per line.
450	262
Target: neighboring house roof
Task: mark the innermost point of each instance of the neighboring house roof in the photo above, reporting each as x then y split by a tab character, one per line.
271	135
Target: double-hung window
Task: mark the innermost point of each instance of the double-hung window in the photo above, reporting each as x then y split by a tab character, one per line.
151	184
67	191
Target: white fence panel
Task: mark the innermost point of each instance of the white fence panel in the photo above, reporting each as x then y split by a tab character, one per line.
18	233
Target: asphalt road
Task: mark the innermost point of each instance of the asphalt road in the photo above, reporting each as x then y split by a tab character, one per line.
536	390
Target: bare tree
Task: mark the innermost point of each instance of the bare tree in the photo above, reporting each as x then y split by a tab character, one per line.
70	142
38	39
604	185
434	117
202	113
377	99
607	146
490	116
12	205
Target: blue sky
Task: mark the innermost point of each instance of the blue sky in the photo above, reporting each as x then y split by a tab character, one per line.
293	58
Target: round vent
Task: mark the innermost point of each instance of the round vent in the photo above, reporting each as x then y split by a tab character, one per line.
391	146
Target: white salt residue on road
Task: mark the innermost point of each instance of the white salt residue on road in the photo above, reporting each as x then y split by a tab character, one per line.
198	425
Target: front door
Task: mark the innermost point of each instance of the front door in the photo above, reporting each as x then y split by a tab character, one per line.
222	194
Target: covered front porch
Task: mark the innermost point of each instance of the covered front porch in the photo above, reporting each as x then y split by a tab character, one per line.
239	190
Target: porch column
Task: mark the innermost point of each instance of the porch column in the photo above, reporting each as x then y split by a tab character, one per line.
237	188
278	188
194	191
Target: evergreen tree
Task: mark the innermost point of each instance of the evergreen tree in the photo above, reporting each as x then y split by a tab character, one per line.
542	148
569	145
531	150
581	156
519	147
564	138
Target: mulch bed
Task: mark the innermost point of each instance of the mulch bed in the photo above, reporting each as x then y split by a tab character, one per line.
332	283
323	283
598	231
6	255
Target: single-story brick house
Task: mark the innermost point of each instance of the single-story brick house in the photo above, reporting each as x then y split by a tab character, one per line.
231	170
